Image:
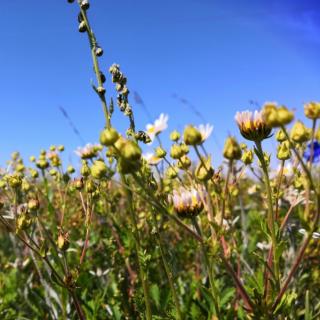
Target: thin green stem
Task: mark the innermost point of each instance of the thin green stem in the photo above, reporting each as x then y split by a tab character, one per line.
271	220
143	275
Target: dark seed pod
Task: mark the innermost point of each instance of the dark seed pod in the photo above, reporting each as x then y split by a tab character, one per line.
99	51
85	5
82	27
102	77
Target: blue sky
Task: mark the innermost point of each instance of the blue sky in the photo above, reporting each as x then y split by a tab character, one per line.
219	55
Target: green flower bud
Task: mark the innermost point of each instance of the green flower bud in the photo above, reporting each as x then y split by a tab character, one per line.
174	136
61	148
14	181
176	151
85	170
23	222
300	133
52	148
99	169
232	150
20	167
32	159
192	136
270	115
284	152
33	204
108	137
42	164
284	115
160	152
90	186
204	170
34	173
172	172
247	157
130	151
312	110
184	163
280	136
185	149
71	169
25	186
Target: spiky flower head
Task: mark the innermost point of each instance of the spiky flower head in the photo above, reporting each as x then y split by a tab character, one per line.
252	125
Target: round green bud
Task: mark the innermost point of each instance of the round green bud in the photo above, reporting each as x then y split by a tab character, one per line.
204	170
85	170
185	149
192	136
280	136
61	148
284	115
99	169
71	169
184	163
32	159
284	152
52	148
232	150
130	151
176	151
247	157
312	110
300	133
174	136
108	137
160	152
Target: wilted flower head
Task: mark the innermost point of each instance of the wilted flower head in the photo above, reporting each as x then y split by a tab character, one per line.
315	153
158	126
205	131
88	151
188	202
252	126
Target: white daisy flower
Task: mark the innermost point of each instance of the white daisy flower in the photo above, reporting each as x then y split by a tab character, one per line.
159	125
151	158
205	131
188	202
88	151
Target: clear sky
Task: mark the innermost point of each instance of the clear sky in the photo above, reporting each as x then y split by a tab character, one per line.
219	55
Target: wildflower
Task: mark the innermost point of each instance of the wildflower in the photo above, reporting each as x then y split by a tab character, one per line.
187	202
316	152
205	131
176	151
252	125
315	235
312	110
192	136
293	196
88	151
151	158
159	125
263	246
